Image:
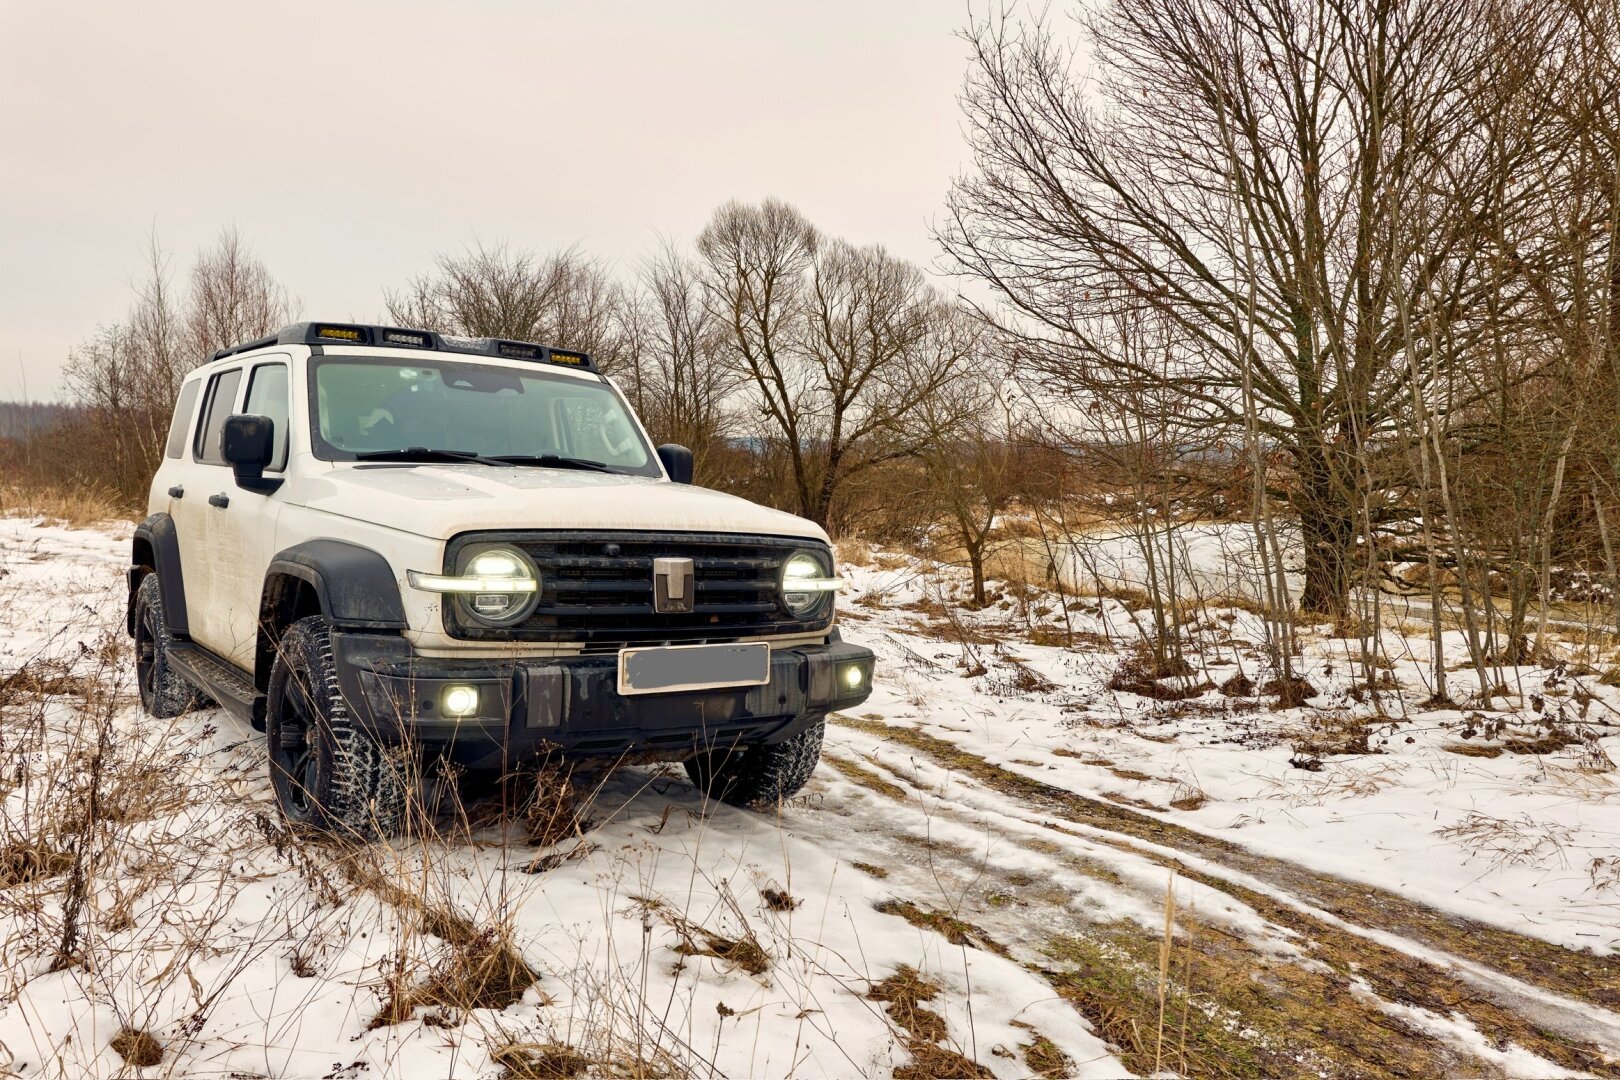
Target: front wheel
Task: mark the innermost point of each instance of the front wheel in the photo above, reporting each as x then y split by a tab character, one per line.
328	773
759	775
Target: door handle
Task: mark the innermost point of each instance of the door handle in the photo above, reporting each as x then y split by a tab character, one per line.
221	501
177	492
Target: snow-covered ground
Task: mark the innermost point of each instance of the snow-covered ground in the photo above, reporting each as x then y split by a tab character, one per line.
978	880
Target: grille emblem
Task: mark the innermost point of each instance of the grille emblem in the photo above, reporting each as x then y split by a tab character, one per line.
674	584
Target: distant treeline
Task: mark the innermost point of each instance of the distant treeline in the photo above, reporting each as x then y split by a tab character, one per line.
19	420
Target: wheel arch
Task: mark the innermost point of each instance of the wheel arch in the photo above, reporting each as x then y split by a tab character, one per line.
353	586
156	549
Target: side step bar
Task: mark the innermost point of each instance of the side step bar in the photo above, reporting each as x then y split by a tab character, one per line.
219	679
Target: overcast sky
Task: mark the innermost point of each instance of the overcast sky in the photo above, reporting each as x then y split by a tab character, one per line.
351	142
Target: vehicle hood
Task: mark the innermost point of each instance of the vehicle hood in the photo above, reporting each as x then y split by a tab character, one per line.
439	501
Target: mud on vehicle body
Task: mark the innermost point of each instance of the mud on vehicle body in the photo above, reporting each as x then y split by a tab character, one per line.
389	547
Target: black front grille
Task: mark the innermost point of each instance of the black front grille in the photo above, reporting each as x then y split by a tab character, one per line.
597	588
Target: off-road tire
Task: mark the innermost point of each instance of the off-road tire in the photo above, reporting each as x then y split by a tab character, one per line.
164	691
329	775
759	775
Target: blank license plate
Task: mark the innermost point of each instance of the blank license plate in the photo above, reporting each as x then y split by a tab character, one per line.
693	667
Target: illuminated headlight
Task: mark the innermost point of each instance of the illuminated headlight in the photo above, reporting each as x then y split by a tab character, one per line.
804	582
854	676
498	586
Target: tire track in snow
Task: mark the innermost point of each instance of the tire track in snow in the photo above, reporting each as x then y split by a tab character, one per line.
1350	929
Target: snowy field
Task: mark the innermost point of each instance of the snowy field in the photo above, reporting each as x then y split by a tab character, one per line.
1006	866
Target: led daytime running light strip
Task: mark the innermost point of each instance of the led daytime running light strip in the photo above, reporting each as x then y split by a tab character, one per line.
812	584
442	583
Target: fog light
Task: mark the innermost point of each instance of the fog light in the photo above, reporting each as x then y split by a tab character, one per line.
459	701
854	676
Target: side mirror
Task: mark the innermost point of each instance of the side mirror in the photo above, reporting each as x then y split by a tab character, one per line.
677	461
248	443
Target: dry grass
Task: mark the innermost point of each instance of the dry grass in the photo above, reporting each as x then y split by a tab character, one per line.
41	678
1521	841
853	551
25	861
1188	797
778	899
479	966
539	1061
956	930
923	1031
1043	1057
1332	732
138	1048
1160	678
740	949
76	508
864	777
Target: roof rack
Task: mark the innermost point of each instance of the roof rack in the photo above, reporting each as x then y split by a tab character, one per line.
396	337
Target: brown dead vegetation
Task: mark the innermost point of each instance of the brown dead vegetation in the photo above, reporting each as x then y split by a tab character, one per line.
480	968
864	777
24	862
75	507
139	1049
1332	732
41	679
903	995
1290	693
1147	675
539	1061
952	928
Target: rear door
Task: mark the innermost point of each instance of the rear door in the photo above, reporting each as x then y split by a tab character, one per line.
206	481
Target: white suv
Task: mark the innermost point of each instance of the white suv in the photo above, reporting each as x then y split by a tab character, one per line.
391	547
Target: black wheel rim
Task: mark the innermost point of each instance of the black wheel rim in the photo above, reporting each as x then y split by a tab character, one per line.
295	753
146	654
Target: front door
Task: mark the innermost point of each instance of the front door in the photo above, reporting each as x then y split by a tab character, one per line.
247	527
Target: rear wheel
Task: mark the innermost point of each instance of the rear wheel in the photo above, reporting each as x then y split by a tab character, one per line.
328	773
164	691
759	775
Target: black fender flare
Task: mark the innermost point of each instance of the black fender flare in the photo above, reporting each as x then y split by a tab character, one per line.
157	534
356	586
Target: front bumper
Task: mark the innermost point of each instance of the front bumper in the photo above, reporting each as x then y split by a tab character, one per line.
571	705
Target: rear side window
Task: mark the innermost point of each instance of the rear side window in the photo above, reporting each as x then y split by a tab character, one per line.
267	396
183	411
221	396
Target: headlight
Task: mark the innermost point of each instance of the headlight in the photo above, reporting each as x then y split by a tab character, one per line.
497	586
805	581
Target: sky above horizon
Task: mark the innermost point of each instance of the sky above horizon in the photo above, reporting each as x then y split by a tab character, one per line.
352	143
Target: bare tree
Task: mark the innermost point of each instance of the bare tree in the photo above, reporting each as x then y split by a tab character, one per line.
564	299
233	299
126	376
1245	169
678	380
839	346
972	466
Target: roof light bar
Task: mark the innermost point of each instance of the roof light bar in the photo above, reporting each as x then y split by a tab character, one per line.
404	338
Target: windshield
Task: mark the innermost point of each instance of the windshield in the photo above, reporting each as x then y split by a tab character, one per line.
369	406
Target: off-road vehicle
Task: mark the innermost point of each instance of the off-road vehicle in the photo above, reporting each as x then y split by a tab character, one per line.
388	548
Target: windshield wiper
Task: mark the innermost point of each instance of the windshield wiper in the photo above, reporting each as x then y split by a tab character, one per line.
424	455
552	461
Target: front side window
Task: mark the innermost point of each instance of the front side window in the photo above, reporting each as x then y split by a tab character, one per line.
365	406
267	396
221	396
